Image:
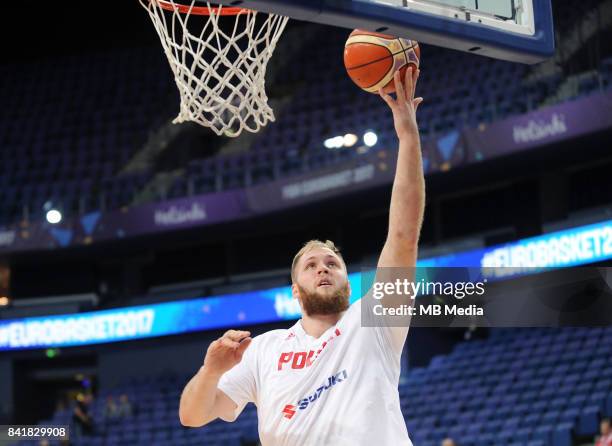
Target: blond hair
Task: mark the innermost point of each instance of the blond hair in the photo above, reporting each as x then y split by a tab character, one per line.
309	245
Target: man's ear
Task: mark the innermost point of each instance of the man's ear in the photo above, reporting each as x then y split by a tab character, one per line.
295	292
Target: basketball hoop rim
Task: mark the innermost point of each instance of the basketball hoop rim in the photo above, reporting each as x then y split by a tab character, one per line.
201	10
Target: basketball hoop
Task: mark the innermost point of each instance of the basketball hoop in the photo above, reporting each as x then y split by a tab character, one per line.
219	66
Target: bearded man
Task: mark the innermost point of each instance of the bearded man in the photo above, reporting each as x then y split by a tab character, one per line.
327	380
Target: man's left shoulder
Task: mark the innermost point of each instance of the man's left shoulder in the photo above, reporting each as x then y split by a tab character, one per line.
354	309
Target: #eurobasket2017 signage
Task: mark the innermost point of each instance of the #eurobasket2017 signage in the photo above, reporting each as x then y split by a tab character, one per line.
571	247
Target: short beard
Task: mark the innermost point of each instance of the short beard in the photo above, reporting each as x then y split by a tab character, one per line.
315	303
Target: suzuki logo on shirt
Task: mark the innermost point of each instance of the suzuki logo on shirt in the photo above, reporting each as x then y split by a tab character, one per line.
303	403
300	360
289	411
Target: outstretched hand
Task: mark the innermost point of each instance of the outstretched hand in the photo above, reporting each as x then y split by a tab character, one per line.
405	105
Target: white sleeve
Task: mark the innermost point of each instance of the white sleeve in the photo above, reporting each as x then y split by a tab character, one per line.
240	382
391	332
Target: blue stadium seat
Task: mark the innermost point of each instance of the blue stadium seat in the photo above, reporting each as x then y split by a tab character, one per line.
603	384
543	434
493	426
578	400
511	424
588	423
474	428
522	435
598	399
505	436
250	432
486	438
569	415
539	406
562	434
582	389
529	396
521	409
531	420
558	403
550	417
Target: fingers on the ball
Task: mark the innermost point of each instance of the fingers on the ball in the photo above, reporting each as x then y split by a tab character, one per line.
399	87
409	83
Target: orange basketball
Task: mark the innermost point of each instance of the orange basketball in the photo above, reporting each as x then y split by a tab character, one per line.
371	59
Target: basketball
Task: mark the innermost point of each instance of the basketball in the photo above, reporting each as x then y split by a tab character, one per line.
371	59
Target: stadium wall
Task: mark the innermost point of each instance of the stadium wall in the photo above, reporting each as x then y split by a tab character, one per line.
124	361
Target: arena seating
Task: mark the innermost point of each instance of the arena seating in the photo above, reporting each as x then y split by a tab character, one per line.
329	108
528	387
69	126
521	387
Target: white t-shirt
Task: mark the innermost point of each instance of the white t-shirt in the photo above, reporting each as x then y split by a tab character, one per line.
340	389
604	440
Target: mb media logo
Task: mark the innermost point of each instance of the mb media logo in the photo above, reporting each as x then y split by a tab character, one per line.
289	411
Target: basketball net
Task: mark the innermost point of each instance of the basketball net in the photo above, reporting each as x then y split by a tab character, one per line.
219	68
